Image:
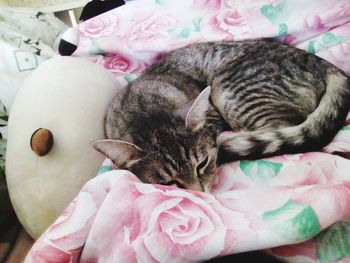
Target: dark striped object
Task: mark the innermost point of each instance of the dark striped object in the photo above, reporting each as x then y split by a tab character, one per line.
278	99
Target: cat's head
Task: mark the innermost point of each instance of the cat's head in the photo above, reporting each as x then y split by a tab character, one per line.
183	157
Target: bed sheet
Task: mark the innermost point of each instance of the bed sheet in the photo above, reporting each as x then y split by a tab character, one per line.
295	207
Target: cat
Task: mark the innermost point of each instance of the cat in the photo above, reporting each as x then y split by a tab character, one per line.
166	126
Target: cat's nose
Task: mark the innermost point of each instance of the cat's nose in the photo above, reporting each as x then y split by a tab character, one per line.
207	188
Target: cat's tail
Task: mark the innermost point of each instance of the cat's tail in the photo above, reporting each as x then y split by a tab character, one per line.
311	135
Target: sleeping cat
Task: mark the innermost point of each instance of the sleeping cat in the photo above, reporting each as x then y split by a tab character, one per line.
166	126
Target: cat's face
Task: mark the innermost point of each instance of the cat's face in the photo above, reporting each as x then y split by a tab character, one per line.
185	156
186	159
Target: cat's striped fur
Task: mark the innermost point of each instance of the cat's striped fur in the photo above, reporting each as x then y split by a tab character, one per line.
277	98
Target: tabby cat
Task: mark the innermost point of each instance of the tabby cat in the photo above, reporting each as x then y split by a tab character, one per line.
166	126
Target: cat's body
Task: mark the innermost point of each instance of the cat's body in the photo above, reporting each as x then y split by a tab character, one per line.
277	98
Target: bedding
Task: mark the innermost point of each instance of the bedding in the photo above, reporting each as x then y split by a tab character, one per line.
27	38
294	207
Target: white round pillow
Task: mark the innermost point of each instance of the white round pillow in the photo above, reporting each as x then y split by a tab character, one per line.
67	96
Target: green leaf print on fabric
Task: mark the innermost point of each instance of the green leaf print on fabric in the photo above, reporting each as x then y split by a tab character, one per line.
294	222
312	48
329	39
131	77
160	2
333	243
197	24
95	48
184	31
180	32
260	171
104	168
326	41
346	128
282	30
276	14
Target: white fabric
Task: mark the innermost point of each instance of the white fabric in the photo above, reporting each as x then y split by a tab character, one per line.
27	38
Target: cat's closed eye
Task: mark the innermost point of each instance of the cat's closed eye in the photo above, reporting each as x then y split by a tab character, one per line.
200	168
174	182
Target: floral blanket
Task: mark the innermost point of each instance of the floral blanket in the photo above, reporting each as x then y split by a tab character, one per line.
295	207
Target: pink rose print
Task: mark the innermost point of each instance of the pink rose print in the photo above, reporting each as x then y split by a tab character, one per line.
152	29
230	3
314	21
121	65
181	226
99	26
208	4
48	253
230	21
64	240
176	226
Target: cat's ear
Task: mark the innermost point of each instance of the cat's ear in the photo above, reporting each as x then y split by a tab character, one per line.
120	152
195	118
